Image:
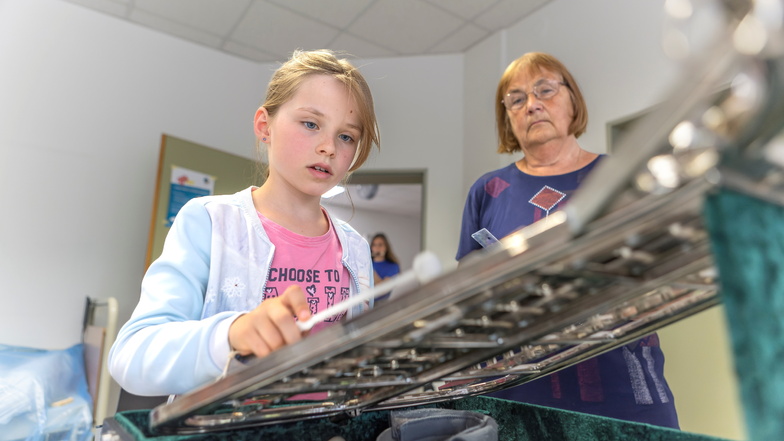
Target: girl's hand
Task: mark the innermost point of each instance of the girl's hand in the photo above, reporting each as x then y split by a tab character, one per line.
271	325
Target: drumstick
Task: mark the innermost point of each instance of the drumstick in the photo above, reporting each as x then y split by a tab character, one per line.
426	267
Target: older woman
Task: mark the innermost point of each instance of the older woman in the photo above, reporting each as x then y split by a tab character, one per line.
540	112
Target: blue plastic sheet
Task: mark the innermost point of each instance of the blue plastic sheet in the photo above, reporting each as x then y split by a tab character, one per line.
43	395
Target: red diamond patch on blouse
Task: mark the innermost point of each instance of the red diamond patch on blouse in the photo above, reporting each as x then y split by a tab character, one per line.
495	186
547	198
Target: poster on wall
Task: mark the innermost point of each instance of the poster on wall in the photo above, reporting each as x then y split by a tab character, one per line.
187	170
185	185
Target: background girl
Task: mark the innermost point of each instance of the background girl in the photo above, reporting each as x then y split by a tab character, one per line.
385	263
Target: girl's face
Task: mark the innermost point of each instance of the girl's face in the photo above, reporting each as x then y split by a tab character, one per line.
313	137
378	248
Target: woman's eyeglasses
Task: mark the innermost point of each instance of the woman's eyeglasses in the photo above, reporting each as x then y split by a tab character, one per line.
543	90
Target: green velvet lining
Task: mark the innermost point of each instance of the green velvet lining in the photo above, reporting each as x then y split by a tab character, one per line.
747	236
516	421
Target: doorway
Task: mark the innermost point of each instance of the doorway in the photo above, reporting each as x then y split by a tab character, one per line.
390	202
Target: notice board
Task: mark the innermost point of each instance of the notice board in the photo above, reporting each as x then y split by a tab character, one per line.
187	170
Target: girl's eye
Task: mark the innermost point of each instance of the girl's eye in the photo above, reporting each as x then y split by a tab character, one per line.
310	125
346	138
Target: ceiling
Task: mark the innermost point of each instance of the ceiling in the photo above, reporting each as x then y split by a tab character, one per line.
398	199
269	30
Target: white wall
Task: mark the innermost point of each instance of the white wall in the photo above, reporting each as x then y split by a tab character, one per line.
419	104
84	101
483	66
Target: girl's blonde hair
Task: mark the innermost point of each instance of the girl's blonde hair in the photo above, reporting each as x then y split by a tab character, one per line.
536	62
287	79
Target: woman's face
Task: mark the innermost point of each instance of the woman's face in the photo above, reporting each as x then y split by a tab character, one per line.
540	121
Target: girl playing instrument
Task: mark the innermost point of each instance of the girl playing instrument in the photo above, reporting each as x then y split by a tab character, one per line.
237	270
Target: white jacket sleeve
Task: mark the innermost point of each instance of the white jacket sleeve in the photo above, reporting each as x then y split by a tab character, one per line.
166	347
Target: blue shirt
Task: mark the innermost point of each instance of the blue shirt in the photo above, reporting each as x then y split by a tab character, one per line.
507	199
386	268
626	383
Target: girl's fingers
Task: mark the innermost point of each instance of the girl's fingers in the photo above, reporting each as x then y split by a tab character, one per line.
295	300
245	338
295	305
271	325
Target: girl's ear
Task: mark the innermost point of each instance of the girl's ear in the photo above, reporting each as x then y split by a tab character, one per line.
261	124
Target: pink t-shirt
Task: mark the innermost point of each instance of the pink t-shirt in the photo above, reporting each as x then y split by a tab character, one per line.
310	262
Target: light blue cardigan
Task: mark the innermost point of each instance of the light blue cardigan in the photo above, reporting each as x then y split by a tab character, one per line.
214	266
